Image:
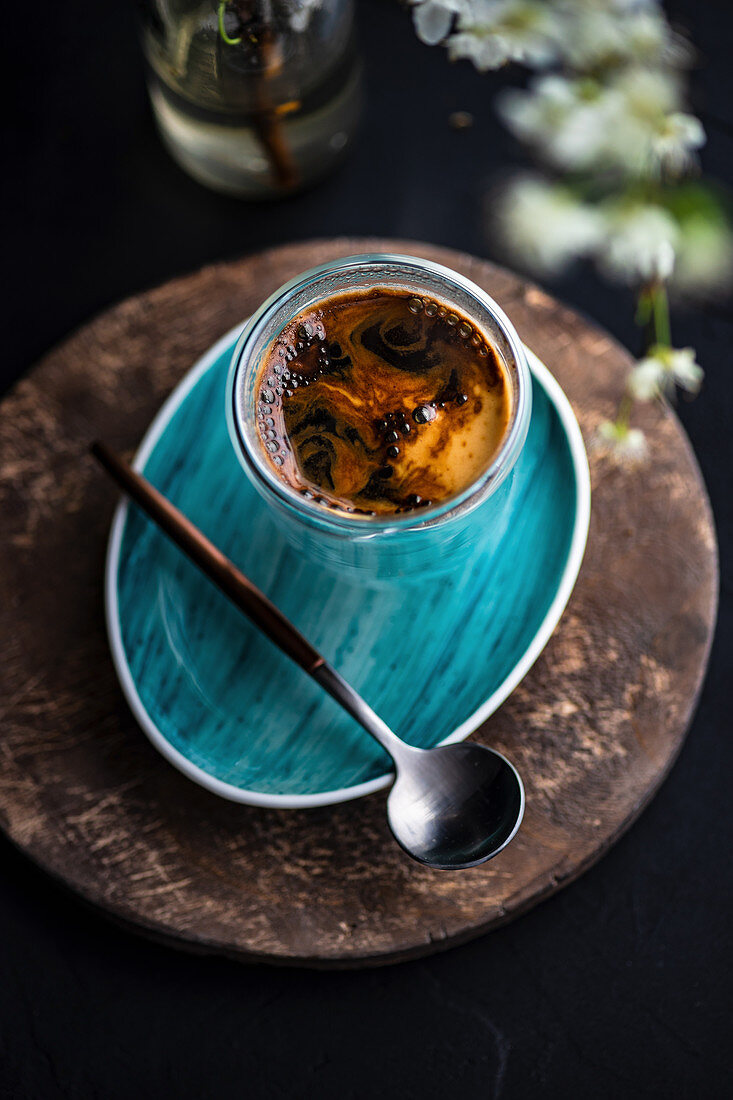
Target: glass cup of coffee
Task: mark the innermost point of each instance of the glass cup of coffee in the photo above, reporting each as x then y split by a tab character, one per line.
379	404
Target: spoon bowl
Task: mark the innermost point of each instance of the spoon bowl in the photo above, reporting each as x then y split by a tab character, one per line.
455	806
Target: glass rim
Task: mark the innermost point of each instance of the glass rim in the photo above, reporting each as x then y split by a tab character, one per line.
255	463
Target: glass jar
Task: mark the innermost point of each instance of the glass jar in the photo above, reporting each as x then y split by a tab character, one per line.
255	98
410	545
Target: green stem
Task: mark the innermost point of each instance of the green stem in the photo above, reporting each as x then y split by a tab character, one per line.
222	31
652	312
660	314
624	412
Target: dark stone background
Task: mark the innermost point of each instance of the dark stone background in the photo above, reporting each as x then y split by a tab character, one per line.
620	986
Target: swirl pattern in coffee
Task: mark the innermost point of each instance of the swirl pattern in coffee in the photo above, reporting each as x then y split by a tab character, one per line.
380	401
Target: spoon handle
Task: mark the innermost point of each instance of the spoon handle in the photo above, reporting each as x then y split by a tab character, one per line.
245	595
210	560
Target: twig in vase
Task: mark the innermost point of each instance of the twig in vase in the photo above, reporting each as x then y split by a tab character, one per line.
267	117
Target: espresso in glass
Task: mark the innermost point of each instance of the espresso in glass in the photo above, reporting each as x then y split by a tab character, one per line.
380	401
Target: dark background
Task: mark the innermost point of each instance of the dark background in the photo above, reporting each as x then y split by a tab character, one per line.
620	986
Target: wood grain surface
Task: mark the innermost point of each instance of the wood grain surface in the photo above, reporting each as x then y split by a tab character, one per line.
593	728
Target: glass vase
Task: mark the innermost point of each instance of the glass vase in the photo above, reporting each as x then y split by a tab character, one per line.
255	98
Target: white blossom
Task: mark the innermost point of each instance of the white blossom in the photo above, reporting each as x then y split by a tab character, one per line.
567	121
433	18
684	369
646	94
627	445
646	130
645	379
546	225
674	141
592	36
607	33
493	32
639	242
663	369
629	123
613	112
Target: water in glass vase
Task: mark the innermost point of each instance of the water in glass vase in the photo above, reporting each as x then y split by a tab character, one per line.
256	98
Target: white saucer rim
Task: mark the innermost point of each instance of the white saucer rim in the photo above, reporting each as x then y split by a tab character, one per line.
345	794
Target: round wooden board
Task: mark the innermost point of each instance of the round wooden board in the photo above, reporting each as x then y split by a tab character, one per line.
593	728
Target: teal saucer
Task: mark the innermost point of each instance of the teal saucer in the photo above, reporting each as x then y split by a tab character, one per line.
434	660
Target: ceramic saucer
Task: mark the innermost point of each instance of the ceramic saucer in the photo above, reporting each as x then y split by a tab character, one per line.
434	660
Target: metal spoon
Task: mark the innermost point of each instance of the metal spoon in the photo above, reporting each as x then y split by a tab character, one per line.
450	807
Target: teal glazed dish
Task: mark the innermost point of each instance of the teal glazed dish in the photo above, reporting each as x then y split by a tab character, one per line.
434	659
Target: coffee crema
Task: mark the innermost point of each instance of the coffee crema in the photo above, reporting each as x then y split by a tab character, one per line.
381	401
